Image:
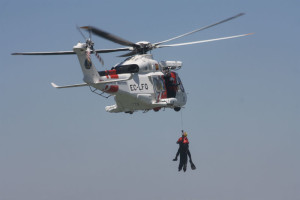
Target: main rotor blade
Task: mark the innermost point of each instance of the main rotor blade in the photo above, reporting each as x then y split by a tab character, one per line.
109	36
46	53
112	50
71	52
129	54
200	29
203	41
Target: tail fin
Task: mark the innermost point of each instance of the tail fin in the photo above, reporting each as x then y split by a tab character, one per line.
90	73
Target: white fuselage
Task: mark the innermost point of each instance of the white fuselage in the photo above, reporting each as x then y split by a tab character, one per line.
137	83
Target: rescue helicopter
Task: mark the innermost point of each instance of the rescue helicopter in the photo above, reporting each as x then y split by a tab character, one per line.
139	82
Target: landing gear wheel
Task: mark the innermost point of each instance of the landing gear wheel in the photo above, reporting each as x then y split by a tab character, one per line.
177	109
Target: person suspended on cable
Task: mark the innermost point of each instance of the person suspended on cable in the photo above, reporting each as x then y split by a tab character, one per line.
184	151
182	140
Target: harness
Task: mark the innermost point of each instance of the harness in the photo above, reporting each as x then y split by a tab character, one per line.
184	144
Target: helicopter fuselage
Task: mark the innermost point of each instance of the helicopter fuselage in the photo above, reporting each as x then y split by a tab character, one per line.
138	83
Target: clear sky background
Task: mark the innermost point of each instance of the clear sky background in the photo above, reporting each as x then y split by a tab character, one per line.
242	114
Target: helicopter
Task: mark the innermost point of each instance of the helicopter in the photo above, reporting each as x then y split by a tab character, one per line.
139	82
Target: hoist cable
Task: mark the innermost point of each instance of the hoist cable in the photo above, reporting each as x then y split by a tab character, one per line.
181	120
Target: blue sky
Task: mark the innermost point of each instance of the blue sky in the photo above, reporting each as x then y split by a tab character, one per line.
242	114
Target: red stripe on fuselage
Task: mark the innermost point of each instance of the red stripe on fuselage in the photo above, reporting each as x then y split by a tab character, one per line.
115	76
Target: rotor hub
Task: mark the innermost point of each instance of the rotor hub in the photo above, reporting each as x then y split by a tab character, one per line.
90	43
144	47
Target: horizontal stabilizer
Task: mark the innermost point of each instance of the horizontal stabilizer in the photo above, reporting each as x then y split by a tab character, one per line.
69	86
85	84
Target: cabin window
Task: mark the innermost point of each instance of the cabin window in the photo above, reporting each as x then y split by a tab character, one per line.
122	69
159	84
180	84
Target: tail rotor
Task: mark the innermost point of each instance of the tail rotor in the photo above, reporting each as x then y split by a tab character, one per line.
90	47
